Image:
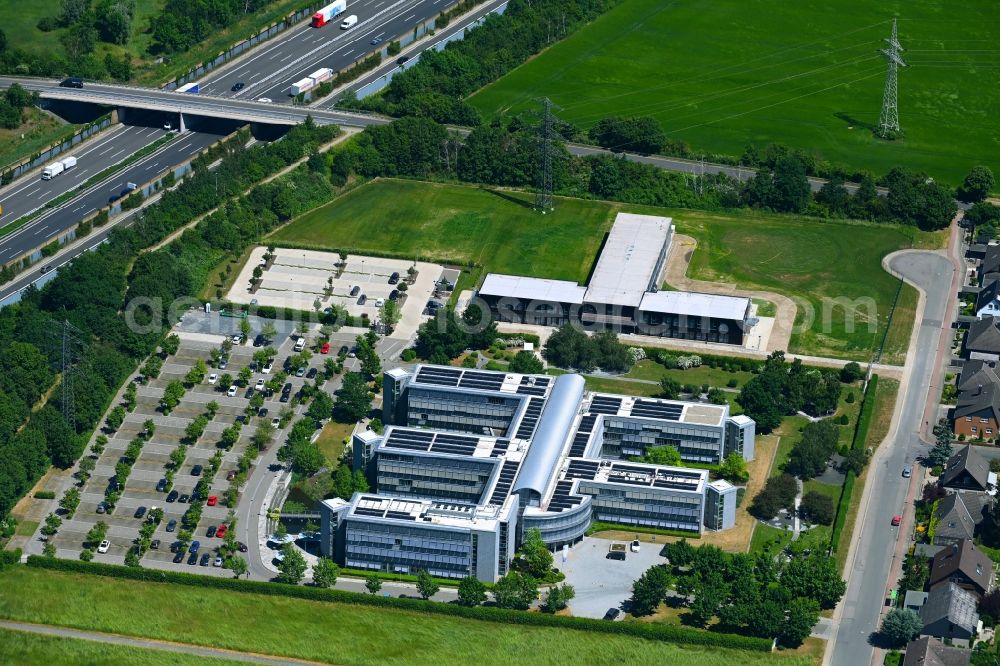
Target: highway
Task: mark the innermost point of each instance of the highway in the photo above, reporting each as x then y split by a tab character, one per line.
53	222
875	552
30	192
270	69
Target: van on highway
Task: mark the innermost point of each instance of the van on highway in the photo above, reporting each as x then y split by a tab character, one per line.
349	22
71	82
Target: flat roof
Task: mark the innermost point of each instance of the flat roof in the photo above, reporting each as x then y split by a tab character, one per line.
631	256
539	289
696	305
425	511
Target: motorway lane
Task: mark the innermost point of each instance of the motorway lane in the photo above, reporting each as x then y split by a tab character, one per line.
31	192
271	69
52	223
869	571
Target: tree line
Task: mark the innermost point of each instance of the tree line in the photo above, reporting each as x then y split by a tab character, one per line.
92	293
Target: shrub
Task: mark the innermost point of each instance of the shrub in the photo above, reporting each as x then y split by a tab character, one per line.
817	508
45	495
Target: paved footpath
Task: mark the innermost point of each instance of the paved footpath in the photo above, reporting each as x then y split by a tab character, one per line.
147	643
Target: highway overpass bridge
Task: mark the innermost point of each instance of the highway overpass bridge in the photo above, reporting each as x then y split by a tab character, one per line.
180	105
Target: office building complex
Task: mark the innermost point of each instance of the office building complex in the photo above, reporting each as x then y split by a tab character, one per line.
623	293
471	459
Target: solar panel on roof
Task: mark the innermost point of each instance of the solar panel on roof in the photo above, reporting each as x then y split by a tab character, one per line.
400	515
499	448
454	444
362	511
657	410
482	380
413	440
603	404
531	415
504	481
439	376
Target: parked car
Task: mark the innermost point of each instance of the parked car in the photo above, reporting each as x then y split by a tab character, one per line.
193	558
267	367
284	397
205	559
394	278
101	507
212	500
179	557
276	423
172	525
140	512
312	373
232	391
103	546
242	546
194	547
183	499
259	341
196	470
154	544
300	372
264	100
221	530
231	475
343	350
210	532
613	614
287	388
362	299
259	386
161	486
223	363
237	339
212	378
635	546
907	472
325	349
379	302
172	497
262	413
218	561
355	290
896	520
394	295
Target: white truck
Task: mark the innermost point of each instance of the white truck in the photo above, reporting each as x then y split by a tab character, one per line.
349	22
56	168
321	75
302	86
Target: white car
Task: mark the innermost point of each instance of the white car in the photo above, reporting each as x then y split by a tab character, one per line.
259	386
635	546
103	547
264	100
217	562
238	339
267	368
212	378
380	302
232	391
275	423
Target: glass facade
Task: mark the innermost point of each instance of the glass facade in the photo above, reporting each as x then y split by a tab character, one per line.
644	506
464	412
567	526
624	437
462	479
400	548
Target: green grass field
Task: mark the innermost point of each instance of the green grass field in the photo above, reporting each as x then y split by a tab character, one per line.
39	130
337	633
27	649
721	74
815	262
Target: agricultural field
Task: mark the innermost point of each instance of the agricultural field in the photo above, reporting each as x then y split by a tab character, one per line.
722	74
831	266
328	632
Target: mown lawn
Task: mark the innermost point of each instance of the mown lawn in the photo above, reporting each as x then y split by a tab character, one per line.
703	374
40	130
336	633
719	75
833	269
27	649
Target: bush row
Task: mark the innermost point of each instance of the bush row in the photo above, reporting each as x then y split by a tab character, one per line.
598	526
660	632
860	437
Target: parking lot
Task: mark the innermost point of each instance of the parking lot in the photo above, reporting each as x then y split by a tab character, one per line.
154	459
602	583
296	279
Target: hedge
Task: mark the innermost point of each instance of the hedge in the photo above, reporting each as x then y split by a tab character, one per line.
736	363
598	526
860	437
45	494
660	632
8	557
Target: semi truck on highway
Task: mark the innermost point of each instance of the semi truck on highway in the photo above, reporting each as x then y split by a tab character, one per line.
323	16
56	168
192	88
301	86
311	81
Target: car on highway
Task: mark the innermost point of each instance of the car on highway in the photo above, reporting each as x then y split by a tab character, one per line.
400	60
172	525
103	546
237	86
907	472
210	532
71	82
172	497
264	100
140	512
232	391
259	386
45	269
896	520
377	40
212	378
212	500
179	557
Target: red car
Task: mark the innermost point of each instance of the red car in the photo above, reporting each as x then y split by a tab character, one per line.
221	532
325	349
213	500
896	520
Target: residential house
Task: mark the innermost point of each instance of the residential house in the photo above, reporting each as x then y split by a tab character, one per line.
958	515
982	341
989	267
988	299
950	613
968	470
964	565
929	651
977	411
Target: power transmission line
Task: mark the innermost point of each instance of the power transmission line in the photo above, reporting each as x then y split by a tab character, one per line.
73	342
888	120
546	138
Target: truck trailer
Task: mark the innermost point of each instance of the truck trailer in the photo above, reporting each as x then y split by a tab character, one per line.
56	168
321	75
302	86
192	88
323	16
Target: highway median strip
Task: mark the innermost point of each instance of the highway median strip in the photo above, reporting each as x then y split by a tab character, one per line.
93	180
